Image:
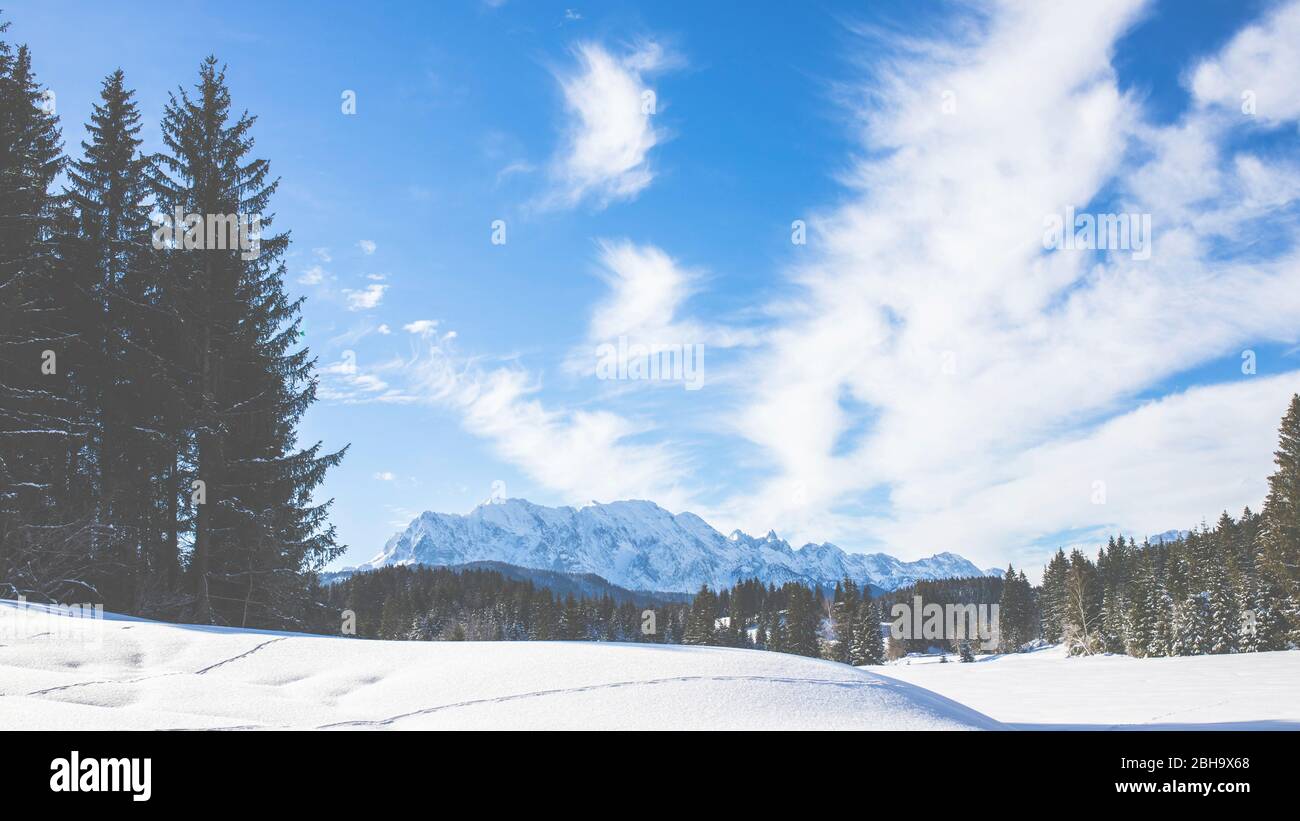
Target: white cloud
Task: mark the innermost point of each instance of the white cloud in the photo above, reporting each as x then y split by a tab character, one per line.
367	246
647	287
366	299
582	455
943	371
1260	66
513	168
323	254
648	292
384	329
376	277
422	327
1170	463
314	275
938	381
386	476
344	381
611	125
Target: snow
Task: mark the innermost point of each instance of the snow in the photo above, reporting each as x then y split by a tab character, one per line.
60	672
1046	689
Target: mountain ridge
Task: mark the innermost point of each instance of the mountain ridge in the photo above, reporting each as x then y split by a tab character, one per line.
638	545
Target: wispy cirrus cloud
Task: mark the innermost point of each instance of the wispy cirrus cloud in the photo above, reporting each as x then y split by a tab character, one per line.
646	300
580	454
933	377
610	130
936	355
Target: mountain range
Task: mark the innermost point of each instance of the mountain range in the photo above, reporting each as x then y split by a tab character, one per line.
639	546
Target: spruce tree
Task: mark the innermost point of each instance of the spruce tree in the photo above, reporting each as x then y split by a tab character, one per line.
257	535
1224	623
801	622
1014	612
867	645
47	550
1143	610
1162	636
1053	599
699	625
1280	539
1189	628
843	614
115	363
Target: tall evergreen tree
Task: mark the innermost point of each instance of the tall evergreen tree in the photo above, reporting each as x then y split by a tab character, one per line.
1143	607
1224	623
257	534
113	363
1188	633
699	625
843	614
1015	611
1280	540
1053	599
801	621
46	547
867	646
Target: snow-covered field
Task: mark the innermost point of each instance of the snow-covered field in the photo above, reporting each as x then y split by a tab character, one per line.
58	672
1045	689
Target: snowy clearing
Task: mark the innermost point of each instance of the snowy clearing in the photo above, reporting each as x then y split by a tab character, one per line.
59	672
1047	690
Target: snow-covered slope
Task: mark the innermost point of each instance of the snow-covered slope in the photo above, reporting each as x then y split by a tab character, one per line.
57	672
1047	690
640	546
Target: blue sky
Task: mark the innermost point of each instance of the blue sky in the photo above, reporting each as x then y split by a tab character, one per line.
920	375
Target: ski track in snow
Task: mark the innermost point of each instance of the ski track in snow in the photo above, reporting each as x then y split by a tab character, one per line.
245	654
595	687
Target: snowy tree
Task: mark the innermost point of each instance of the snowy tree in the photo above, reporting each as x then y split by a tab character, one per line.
1015	612
1082	633
1188	635
1053	599
843	615
1280	553
867	646
704	610
1224	622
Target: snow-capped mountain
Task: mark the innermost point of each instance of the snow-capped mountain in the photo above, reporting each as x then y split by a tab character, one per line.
640	546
